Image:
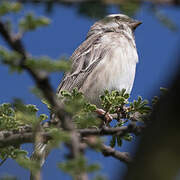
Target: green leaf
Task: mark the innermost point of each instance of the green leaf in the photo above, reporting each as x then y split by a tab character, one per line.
128	137
113	100
30	22
7	117
43	117
27	163
11	152
8	7
140	106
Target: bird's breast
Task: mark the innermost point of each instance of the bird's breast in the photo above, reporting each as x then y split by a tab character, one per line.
115	71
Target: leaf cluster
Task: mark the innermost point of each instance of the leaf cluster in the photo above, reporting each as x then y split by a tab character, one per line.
20	156
8	119
30	22
140	106
117	102
11	152
113	100
9	7
14	116
83	112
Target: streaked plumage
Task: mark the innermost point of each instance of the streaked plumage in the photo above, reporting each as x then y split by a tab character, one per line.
105	60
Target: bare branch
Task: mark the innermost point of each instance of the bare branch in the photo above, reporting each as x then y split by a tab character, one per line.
119	131
122	156
93	142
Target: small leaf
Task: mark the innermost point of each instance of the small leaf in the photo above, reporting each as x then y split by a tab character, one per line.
7	7
30	22
128	137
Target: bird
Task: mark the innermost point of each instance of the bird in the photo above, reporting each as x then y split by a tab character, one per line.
106	60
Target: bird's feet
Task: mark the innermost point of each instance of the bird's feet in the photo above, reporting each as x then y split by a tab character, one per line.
107	118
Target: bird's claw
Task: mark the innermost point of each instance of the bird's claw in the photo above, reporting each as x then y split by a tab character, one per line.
105	115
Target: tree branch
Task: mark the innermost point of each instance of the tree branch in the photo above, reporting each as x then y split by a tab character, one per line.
43	84
26	135
122	156
119	131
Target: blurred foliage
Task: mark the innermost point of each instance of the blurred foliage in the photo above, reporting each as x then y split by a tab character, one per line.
163	18
94	9
9	7
12	117
140	106
20	156
130	7
29	22
98	9
7	117
78	166
82	110
13	59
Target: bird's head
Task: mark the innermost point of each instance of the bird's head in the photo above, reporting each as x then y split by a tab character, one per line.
115	23
118	20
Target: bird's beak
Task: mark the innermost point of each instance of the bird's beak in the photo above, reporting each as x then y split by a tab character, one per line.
135	24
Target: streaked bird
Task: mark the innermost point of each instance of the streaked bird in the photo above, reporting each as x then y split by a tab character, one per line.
106	60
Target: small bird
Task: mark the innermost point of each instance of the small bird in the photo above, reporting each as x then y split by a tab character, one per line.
106	60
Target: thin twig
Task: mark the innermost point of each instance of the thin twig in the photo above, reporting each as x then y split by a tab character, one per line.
122	156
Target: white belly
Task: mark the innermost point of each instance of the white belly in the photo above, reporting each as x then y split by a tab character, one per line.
115	72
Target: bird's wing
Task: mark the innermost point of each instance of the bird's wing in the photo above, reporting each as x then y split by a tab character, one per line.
84	60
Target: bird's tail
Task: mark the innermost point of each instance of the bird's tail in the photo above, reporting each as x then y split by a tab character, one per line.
40	154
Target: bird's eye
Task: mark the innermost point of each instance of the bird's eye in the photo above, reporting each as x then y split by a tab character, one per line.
118	17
